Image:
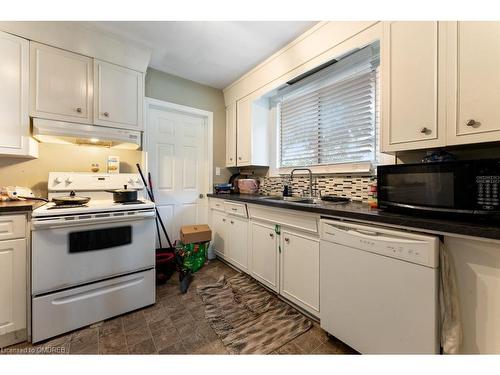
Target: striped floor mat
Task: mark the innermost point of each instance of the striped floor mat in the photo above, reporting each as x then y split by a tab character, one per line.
249	319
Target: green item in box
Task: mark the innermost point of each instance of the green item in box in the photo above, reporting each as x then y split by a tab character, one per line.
194	255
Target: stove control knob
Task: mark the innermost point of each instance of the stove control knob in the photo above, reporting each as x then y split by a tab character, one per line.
58	180
69	180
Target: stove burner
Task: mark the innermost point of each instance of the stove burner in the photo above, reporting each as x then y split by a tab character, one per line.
132	202
66	206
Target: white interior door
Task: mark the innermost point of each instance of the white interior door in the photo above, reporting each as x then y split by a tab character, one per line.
180	165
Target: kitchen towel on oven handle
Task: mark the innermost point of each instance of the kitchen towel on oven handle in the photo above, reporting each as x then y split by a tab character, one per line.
451	325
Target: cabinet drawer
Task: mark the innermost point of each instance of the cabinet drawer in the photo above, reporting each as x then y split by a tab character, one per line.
292	219
70	309
238	209
12	226
217	204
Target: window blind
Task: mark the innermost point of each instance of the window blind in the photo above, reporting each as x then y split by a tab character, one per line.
330	116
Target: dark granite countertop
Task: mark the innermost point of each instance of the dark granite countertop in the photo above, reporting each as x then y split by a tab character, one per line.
27	205
360	211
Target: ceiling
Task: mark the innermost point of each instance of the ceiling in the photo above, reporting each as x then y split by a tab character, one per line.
209	52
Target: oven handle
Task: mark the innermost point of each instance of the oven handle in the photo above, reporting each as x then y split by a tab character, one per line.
71	221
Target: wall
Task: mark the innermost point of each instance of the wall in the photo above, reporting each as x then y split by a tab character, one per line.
164	86
34	173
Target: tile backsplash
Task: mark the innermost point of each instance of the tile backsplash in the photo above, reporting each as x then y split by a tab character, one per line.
355	187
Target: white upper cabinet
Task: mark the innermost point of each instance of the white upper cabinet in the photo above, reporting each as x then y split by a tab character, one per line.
244	131
474	82
252	132
61	84
118	96
231	135
14	98
413	85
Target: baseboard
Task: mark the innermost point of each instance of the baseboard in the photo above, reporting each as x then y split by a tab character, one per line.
12	338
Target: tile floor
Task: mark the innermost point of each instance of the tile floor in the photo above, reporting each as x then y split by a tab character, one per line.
174	325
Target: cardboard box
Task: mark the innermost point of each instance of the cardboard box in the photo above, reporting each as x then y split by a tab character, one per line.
195	233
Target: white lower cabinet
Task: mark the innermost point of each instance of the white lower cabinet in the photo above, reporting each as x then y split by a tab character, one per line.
237	234
277	248
299	270
230	238
219	220
13	285
264	259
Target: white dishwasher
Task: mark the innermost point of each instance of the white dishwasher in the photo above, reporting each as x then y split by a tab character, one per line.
379	288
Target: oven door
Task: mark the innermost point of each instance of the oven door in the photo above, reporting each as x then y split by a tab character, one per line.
73	250
446	187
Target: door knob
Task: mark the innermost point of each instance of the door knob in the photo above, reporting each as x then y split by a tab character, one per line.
271	235
287	240
239	157
106	114
79	110
424	130
472	122
201	196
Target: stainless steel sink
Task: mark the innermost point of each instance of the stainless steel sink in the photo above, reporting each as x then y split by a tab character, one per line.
290	199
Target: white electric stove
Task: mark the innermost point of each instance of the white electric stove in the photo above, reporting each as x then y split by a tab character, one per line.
94	261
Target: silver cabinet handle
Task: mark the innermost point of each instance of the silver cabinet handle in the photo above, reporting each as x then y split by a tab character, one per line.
79	110
230	158
224	220
201	195
287	240
271	235
234	209
239	157
106	114
232	222
424	130
472	122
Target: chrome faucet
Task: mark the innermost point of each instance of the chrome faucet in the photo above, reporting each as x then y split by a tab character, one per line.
310	178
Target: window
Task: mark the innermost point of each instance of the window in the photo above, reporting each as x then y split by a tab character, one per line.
331	116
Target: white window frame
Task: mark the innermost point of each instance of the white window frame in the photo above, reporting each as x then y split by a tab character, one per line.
368	167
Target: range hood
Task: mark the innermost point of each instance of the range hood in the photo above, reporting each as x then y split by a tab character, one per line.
51	131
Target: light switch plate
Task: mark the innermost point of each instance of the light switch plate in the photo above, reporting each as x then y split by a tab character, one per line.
217	171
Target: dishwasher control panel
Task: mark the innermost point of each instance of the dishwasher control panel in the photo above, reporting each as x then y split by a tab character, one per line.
412	247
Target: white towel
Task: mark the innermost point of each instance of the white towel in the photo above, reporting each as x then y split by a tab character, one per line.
451	326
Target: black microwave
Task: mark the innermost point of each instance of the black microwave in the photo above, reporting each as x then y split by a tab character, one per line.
462	187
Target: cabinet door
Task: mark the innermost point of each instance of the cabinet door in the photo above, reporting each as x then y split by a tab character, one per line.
61	84
244	131
12	285
119	95
300	270
231	135
219	236
474	82
237	250
413	113
14	97
264	261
